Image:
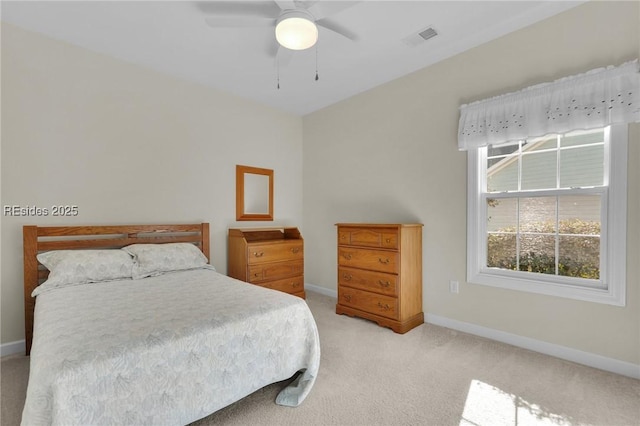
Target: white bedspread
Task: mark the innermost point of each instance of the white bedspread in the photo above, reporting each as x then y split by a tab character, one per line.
165	350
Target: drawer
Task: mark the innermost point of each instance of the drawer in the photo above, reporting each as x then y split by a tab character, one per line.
273	252
287	285
369	237
374	303
376	260
378	282
275	271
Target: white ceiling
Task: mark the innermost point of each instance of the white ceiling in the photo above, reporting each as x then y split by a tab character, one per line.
172	37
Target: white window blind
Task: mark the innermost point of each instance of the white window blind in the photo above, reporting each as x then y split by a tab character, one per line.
597	98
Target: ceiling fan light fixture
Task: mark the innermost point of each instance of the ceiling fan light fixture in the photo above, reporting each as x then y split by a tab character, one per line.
296	30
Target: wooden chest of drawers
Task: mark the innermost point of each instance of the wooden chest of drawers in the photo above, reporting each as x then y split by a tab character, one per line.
380	273
268	257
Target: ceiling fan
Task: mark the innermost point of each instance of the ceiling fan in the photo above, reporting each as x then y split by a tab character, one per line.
296	22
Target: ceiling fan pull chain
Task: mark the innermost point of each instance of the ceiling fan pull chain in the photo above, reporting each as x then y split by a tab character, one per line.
317	62
278	71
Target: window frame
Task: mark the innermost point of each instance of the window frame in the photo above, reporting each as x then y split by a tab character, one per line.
611	288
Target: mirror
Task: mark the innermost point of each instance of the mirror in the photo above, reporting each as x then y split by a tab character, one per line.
254	193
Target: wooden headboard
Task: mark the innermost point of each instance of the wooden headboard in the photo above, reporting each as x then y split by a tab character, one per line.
37	239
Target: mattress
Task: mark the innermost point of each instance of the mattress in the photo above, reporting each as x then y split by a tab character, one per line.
163	350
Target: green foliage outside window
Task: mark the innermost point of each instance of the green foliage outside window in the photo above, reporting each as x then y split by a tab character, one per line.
579	249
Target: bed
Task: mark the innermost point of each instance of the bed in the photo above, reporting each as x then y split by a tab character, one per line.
162	346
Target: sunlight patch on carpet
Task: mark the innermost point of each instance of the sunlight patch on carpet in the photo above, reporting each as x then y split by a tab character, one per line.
487	405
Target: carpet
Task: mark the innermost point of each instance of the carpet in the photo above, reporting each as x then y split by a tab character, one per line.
428	376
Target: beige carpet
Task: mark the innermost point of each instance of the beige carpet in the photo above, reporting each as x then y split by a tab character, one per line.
429	376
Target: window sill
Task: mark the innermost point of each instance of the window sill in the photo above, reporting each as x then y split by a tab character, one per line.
549	288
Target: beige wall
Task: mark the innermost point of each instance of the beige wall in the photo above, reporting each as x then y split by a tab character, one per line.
127	145
390	155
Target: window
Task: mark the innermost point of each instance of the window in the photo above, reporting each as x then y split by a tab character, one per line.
548	215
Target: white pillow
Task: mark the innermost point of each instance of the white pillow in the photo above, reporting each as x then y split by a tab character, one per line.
156	259
73	267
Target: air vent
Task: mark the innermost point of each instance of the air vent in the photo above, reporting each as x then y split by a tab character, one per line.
428	33
418	38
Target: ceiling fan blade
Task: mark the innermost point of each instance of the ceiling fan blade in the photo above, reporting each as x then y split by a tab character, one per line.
285	4
238	21
324	9
242	8
338	29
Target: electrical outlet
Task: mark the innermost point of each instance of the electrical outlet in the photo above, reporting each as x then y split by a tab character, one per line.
453	286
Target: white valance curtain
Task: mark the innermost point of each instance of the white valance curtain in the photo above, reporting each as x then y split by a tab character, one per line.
596	98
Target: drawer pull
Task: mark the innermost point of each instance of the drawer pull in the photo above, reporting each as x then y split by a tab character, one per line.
256	254
347	297
296	285
388	240
384	283
347	277
384	307
386	261
294	250
347	256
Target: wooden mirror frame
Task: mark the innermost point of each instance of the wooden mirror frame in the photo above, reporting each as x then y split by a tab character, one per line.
241	215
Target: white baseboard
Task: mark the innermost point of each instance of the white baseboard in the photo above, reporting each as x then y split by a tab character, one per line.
558	351
12	348
322	290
